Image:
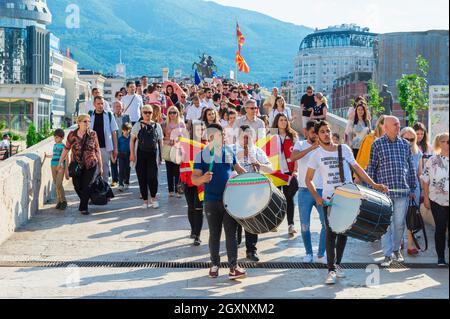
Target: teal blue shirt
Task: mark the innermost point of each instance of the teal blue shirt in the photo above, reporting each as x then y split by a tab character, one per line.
57	152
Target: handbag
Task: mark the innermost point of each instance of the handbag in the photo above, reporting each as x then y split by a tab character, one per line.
415	224
101	192
166	153
76	168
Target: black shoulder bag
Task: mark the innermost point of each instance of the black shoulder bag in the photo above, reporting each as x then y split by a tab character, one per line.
415	224
75	168
341	164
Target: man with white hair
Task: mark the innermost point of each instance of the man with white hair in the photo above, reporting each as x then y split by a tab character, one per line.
391	163
250	119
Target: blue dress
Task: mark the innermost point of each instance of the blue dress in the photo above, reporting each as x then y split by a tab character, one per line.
417	158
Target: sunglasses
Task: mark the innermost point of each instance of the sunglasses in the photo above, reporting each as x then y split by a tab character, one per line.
147	113
173	113
412	140
252	108
86	122
236	92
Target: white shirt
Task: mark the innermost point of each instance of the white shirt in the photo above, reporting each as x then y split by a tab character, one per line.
194	113
4	144
253	153
208	103
327	163
90	106
132	107
273	114
303	166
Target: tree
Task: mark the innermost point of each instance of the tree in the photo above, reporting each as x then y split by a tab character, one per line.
375	101
413	91
32	135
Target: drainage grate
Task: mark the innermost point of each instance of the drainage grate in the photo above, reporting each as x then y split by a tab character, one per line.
195	265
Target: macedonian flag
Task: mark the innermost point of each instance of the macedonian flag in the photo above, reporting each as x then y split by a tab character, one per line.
190	149
242	65
240	37
270	146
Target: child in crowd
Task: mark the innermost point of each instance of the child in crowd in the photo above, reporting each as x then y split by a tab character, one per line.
124	158
336	138
58	176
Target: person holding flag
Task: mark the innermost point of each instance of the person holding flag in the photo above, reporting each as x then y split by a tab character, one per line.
194	195
213	168
287	138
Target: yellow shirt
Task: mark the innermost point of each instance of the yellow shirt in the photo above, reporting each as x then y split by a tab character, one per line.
363	157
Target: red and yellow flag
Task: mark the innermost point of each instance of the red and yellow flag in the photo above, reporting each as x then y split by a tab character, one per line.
240	37
270	145
190	150
242	65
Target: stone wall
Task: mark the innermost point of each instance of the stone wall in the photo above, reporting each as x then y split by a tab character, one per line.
26	184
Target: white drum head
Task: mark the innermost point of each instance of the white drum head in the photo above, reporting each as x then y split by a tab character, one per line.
346	205
247	195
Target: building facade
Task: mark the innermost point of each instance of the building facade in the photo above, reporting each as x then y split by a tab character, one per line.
25	91
396	54
112	85
329	54
347	88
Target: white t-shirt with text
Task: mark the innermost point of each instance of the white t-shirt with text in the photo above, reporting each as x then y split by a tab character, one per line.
303	166
327	163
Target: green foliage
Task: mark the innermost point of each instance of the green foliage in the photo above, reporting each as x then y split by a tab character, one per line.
413	91
15	137
375	101
3	125
32	135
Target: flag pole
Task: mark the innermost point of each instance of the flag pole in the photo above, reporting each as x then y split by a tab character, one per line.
235	62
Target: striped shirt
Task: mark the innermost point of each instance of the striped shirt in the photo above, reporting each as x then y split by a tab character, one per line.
391	164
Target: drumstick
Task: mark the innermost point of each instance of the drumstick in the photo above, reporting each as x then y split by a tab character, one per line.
211	164
330	204
348	194
399	190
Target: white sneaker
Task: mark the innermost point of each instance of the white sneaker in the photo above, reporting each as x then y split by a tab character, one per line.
340	273
398	257
322	260
292	231
155	204
331	278
145	206
308	259
387	262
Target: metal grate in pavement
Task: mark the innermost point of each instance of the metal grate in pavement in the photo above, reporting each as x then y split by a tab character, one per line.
196	265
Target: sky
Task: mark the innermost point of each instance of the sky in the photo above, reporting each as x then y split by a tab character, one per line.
381	16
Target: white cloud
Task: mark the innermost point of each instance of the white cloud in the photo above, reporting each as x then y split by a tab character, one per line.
379	15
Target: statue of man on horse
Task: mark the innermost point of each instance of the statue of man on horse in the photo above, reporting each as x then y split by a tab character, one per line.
206	67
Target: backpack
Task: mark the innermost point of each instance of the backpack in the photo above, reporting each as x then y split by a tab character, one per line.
148	138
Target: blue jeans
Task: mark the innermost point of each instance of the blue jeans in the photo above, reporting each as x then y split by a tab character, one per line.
392	240
306	202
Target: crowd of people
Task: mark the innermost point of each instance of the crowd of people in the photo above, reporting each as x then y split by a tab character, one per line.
222	123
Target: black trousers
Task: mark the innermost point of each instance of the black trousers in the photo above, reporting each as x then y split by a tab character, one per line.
82	185
290	205
114	171
147	173
217	218
195	210
335	245
440	215
250	240
124	169
173	176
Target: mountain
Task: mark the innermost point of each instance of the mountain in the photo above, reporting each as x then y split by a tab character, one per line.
153	34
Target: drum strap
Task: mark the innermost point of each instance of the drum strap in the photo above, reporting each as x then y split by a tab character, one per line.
341	164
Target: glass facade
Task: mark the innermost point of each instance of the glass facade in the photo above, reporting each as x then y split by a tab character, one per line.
13	56
16	113
43	113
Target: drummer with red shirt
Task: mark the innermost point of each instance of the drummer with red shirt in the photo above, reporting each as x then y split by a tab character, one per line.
326	160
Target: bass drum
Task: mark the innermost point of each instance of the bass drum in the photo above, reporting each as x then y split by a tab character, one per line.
255	203
360	213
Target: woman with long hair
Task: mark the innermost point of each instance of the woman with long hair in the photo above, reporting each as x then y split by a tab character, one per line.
210	116
423	140
279	107
191	192
170	93
436	191
410	135
173	128
157	116
320	110
360	128
287	139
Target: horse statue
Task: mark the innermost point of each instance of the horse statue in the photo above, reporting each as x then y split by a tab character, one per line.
206	67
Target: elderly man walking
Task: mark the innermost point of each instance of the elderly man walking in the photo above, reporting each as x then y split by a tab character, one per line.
391	164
